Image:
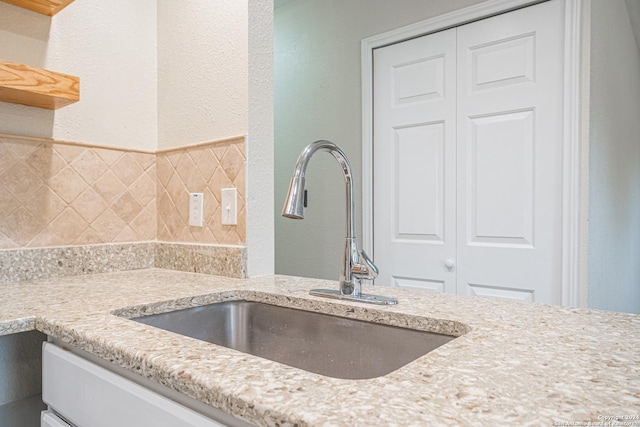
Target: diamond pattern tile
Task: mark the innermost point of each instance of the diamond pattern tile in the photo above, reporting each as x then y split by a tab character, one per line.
164	169
19	149
69	225
108	225
109	187
89	166
232	162
109	156
8	204
45	161
127	207
185	167
57	194
144	189
6	242
7	159
207	163
89	205
21	225
20	181
127	169
45	203
69	151
68	184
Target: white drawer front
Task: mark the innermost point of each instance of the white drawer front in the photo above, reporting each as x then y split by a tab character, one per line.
49	419
91	396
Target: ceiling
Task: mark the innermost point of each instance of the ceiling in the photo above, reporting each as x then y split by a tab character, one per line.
633	7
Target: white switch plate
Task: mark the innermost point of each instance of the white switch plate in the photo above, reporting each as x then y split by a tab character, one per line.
196	202
229	206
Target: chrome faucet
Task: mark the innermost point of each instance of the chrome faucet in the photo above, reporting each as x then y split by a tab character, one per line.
356	265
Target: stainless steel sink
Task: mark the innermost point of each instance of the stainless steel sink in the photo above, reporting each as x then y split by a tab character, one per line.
327	345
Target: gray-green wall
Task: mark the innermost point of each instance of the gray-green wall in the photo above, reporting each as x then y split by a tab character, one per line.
614	159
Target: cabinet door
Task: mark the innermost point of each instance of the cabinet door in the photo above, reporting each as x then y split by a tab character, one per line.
510	73
90	396
414	170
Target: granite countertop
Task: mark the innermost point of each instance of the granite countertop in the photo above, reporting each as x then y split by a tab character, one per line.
513	363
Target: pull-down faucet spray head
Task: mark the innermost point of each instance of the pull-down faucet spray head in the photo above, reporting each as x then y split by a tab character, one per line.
294	205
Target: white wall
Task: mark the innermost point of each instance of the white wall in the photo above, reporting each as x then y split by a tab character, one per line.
202	63
317	96
614	172
260	228
111	46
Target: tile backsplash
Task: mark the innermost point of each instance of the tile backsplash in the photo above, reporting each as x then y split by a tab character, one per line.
54	194
202	169
57	194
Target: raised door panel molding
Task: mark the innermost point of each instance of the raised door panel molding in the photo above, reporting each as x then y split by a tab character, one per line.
45	7
36	87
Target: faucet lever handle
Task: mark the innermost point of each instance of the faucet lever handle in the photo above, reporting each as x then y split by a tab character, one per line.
369	263
367	270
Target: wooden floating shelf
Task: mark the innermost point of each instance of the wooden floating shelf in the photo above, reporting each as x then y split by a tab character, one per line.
36	87
45	7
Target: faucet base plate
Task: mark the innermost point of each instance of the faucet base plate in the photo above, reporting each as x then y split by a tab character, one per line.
366	298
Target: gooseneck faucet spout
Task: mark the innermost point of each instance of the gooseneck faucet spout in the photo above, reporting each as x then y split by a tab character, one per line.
356	265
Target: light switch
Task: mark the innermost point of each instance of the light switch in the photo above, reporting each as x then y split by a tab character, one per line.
229	206
196	202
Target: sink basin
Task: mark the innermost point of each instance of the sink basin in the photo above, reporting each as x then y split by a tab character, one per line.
324	344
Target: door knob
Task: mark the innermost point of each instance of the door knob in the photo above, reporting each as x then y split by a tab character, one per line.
449	264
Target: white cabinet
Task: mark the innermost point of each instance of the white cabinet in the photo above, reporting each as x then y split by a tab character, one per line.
88	395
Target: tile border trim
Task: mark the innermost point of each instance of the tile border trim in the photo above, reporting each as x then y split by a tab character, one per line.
37	139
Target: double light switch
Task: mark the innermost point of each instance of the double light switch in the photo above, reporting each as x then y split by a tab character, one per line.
228	207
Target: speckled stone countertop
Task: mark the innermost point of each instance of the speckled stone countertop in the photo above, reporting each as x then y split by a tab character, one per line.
513	363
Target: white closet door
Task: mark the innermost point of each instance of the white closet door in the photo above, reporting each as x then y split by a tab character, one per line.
414	173
467	158
509	154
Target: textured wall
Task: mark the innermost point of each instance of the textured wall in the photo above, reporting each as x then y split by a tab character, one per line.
111	46
202	63
614	171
